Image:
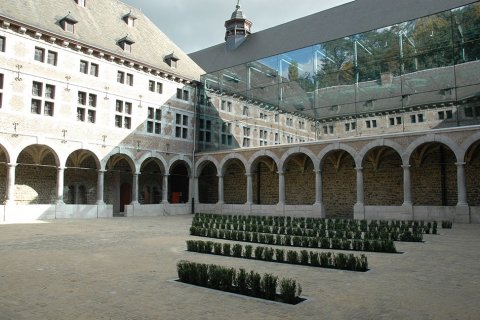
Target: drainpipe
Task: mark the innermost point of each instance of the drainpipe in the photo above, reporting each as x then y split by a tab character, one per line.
193	195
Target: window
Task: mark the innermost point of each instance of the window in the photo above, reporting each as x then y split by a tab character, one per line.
246	137
83	66
151	85
94	69
276	118
129	79
443	115
43	98
182	94
123	111
289	122
181	126
369	124
395	121
263	116
205	132
154	124
155	87
350	126
227	138
417	118
277	138
159	87
328	129
263	136
301	125
81	3
121	77
86	108
52	58
1	89
39	54
2	44
245	111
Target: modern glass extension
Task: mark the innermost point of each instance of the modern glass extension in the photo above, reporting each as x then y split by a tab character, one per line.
431	63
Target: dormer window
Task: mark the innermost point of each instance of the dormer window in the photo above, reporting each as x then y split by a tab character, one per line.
126	43
171	60
68	23
81	3
129	19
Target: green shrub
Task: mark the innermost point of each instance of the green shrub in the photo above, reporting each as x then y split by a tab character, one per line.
217	248
325	260
314	259
268	254
192	245
288	288
304	256
340	261
269	286
237	250
287	240
292	256
447	224
241	281
325	243
248	251
226	249
208	246
254	283
259	253
280	255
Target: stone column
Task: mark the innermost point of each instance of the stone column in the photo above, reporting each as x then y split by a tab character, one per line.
220	190
360	191
318	188
192	188
10	192
249	189
407	186
135	188
60	179
461	184
165	189
100	186
281	187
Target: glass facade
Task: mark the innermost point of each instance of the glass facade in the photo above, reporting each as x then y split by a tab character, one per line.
425	64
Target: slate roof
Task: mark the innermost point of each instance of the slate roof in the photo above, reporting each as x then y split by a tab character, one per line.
101	24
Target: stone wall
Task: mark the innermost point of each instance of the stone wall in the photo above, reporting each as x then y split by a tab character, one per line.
267	179
235	184
299	182
472	173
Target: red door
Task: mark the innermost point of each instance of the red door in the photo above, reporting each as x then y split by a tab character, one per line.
125	195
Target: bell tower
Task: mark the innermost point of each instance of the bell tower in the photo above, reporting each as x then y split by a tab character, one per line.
237	28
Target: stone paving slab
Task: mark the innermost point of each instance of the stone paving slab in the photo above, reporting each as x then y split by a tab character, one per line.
122	269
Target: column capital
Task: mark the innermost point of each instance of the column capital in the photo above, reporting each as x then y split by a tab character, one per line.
406	166
60	168
281	172
12	165
248	174
359	168
101	171
458	164
220	175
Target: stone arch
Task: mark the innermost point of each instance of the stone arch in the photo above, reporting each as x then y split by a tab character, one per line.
259	154
454	147
298	166
472	172
228	158
433	174
264	170
338	146
382	175
183	158
379	143
179	180
233	169
158	159
118	190
338	180
36	175
4	161
150	180
81	177
207	173
204	161
298	150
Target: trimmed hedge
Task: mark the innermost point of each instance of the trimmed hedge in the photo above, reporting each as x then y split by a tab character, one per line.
298	241
239	281
315	259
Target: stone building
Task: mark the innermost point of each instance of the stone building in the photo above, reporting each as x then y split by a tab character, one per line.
366	110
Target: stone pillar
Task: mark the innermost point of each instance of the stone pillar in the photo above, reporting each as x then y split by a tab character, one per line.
60	179
318	188
461	184
100	186
10	192
360	191
220	190
165	189
249	189
135	188
281	187
407	186
192	189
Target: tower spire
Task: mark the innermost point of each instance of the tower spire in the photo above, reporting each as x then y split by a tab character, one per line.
237	28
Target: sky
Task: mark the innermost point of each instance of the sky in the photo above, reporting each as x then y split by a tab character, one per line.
197	24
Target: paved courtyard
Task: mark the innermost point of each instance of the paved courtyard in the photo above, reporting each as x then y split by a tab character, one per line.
122	268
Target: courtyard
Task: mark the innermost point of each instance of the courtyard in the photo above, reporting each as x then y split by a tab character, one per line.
123	268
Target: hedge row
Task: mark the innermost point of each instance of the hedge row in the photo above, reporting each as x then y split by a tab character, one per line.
296	241
314	259
239	281
240	221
